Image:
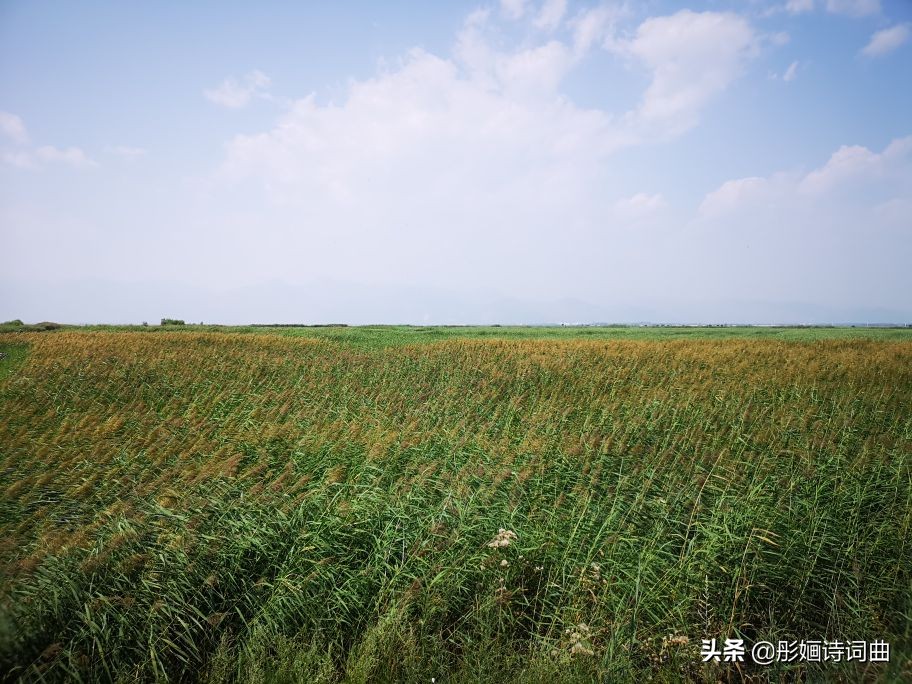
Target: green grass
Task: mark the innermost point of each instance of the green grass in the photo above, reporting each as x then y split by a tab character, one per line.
378	336
256	508
11	355
371	336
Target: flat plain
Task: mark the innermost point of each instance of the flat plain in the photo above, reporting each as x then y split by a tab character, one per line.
199	503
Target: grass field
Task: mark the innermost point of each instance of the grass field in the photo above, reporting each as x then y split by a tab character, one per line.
463	504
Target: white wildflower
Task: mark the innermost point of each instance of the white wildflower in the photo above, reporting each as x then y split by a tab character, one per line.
502	539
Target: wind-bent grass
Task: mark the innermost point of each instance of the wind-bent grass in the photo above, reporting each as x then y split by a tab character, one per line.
227	507
11	355
380	336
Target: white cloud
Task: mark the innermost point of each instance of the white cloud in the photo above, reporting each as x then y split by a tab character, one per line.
848	173
897	210
854	163
732	195
128	152
22	160
778	39
839	234
551	14
802	233
799	6
445	161
693	57
12	127
72	156
482	118
236	94
639	205
491	121
847	162
539	68
791	72
513	9
886	40
428	122
594	25
535	70
853	8
481	170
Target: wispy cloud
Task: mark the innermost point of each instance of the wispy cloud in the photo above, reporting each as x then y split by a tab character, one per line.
513	9
595	25
886	40
12	127
693	57
235	94
853	8
799	6
791	72
551	14
19	159
128	152
639	205
26	157
71	156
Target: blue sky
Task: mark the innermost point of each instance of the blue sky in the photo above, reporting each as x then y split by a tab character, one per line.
512	162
